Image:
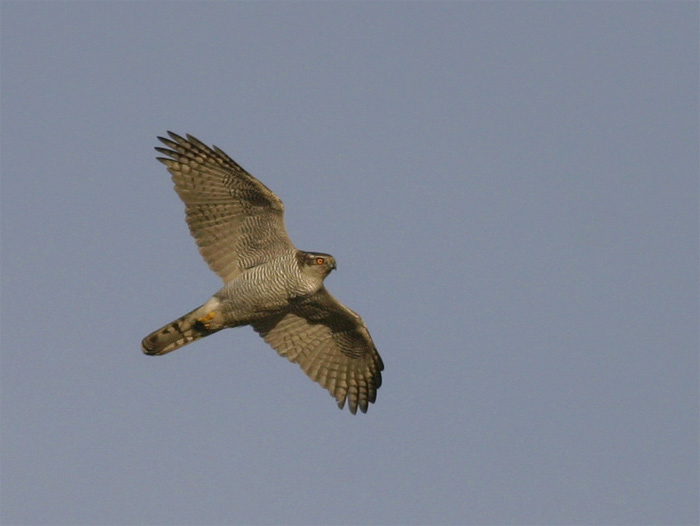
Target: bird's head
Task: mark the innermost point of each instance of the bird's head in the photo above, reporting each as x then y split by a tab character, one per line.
318	263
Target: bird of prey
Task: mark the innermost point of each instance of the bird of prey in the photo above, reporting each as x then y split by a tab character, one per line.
238	225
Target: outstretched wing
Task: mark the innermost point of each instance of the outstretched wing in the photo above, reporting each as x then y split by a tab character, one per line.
331	344
236	220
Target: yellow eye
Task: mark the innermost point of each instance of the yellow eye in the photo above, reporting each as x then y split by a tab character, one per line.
319	261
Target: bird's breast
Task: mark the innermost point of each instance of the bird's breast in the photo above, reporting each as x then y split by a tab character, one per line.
265	289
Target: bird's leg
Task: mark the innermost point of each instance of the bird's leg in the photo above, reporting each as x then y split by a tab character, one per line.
204	320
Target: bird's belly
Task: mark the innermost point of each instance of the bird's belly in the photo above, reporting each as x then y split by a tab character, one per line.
244	302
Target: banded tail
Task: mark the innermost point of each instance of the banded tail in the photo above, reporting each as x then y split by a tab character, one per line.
180	332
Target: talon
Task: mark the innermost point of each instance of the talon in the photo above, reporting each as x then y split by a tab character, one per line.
206	319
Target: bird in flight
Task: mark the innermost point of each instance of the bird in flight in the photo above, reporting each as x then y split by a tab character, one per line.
238	225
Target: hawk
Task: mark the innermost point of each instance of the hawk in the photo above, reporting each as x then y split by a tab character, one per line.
238	225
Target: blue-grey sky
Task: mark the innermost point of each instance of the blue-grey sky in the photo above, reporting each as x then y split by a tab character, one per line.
510	190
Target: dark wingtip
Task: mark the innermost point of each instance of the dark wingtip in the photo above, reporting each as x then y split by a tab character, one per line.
169	141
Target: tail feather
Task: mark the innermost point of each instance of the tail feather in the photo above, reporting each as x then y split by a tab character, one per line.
175	334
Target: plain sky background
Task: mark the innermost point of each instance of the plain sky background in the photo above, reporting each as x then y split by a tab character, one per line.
510	190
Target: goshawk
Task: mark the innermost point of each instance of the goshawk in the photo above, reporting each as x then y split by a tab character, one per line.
238	225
